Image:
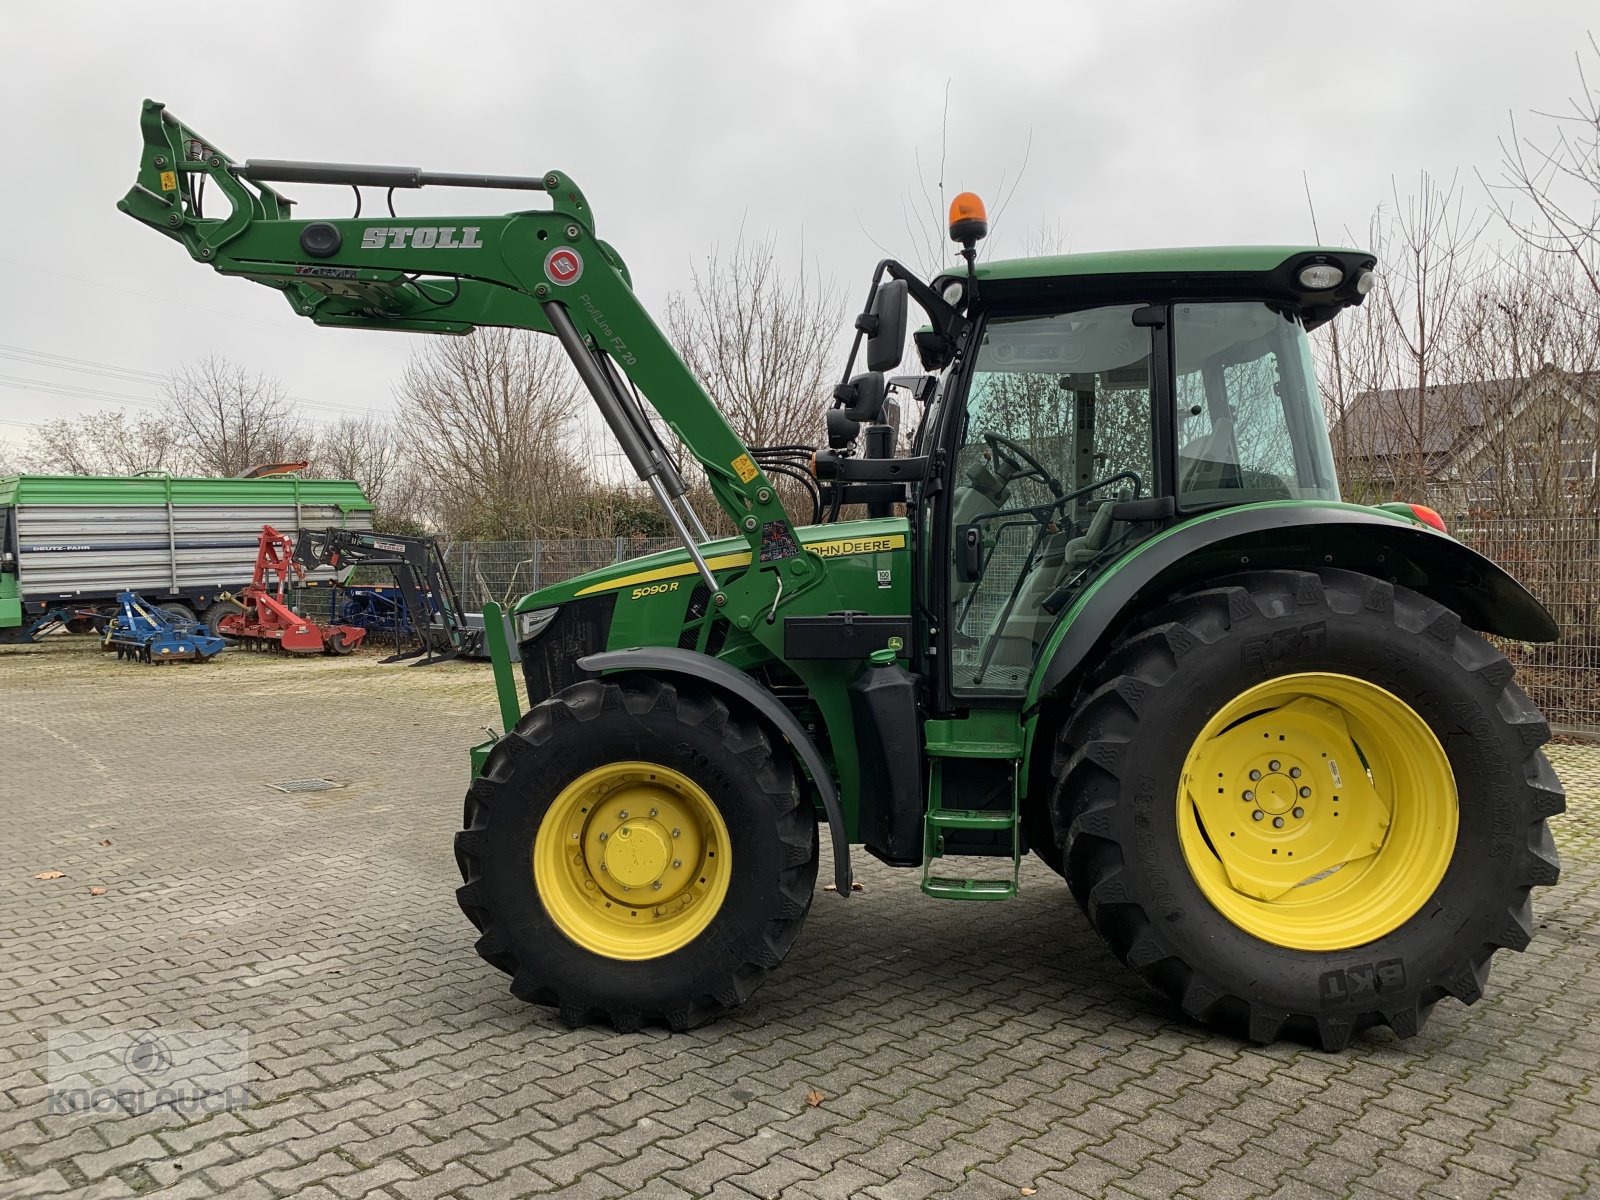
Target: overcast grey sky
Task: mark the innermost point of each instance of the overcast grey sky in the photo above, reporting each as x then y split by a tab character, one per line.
1156	123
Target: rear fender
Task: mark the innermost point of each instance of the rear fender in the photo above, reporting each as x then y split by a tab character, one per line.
703	670
1295	536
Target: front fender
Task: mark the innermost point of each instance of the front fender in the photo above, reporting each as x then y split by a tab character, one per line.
1294	536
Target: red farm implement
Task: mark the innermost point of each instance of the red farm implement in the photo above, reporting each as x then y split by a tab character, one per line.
266	622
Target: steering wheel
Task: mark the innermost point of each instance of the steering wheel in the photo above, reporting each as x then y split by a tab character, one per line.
1016	463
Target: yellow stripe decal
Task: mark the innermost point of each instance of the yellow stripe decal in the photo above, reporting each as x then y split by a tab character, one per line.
829	549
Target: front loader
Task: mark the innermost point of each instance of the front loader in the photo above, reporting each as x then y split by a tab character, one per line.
1106	606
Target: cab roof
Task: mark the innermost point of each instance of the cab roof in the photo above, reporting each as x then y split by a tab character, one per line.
1269	273
1173	260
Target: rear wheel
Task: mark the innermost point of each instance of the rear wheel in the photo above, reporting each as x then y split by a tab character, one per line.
214	617
181	613
1304	804
636	851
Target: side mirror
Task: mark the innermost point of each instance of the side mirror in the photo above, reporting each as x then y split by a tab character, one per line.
885	326
969	553
862	398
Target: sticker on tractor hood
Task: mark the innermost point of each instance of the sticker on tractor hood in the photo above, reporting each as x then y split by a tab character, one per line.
832	548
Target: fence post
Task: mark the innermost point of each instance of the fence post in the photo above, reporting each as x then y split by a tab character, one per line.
616	556
537	544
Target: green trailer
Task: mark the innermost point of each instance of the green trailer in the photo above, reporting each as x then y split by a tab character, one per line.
70	543
1107	608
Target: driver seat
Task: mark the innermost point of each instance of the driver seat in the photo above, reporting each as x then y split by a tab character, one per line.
1028	623
1083	549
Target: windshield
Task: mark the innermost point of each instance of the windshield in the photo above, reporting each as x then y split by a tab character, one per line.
1250	425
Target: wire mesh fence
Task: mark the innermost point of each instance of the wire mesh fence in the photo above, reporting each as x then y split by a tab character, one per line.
502	571
1557	558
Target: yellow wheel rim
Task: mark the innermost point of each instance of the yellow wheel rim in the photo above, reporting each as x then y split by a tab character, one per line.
632	860
1317	811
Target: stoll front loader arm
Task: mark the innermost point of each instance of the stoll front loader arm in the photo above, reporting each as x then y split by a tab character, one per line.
541	270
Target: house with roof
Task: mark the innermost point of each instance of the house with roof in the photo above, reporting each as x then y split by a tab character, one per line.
1514	447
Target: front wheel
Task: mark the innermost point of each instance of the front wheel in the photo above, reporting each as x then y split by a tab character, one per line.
1305	804
637	851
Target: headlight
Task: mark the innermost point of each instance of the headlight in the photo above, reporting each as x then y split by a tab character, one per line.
1364	282
1320	277
532	624
953	293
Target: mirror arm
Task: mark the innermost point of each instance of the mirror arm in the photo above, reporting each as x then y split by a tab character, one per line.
946	320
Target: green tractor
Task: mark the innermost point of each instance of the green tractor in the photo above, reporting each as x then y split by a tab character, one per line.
1105	606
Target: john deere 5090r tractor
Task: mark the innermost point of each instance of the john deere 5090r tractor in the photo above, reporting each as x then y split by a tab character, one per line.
1105	606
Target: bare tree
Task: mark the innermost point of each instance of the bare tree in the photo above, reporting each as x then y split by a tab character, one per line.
107	442
1558	175
1397	349
494	412
371	451
764	346
226	420
1530	354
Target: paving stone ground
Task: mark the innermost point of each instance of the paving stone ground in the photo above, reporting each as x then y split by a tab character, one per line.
962	1050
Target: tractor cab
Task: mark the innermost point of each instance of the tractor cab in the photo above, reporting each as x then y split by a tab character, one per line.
1078	406
1100	406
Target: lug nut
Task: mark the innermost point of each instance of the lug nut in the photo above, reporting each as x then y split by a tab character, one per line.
623	815
1274	765
1294	772
1249	795
653	812
1305	793
1299	812
676	863
1257	815
675	832
604	836
1277	822
656	886
1255	775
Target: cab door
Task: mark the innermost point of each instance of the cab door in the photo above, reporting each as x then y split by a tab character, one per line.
1058	427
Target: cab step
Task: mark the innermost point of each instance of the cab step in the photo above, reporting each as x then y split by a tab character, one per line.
943	888
970	818
938	820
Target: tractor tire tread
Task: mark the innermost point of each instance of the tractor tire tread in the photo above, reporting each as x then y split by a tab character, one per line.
1094	749
772	771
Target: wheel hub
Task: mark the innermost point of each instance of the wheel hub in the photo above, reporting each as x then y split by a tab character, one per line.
1317	810
1275	816
631	860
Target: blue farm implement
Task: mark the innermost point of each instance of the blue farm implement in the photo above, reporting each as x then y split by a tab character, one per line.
141	632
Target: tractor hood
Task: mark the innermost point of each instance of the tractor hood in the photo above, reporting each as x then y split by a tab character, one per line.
724	554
